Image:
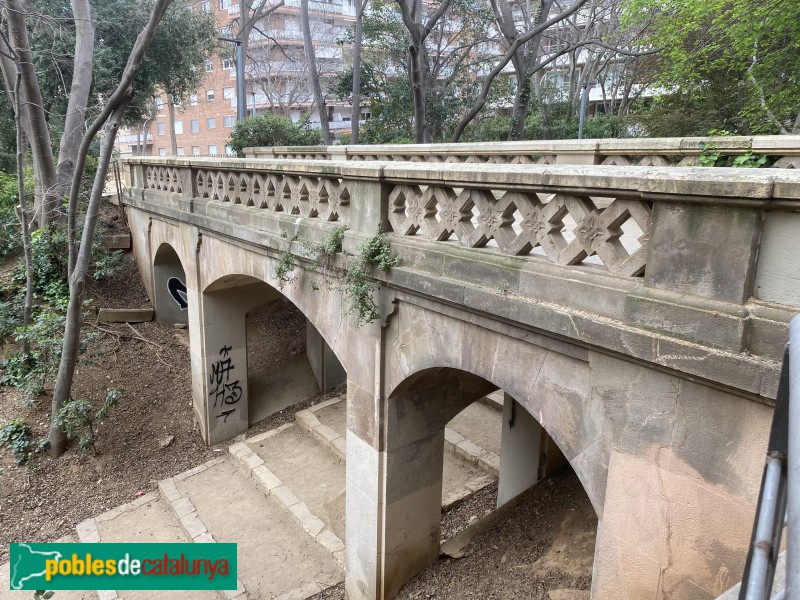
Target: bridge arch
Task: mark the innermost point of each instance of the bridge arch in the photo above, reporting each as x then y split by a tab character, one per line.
418	409
243	384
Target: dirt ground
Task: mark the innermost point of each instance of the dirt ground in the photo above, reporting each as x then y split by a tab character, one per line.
544	545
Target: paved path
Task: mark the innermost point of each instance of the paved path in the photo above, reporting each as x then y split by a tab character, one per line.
280	496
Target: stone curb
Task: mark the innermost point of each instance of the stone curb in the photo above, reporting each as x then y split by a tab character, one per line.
89	533
458	444
271	485
191	523
308	420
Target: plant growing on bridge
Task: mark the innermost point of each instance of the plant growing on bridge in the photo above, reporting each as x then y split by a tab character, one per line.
357	286
284	269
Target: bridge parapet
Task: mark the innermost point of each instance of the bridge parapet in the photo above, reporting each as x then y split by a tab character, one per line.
782	151
690	254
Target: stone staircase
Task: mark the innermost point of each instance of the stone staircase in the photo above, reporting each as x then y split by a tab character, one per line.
280	496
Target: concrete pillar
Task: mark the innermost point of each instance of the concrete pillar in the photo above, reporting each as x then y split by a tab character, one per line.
520	451
400	486
527	452
224	353
327	369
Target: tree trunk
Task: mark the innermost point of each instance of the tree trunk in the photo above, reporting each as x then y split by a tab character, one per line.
23	216
39	133
355	114
75	120
171	114
311	58
522	97
421	134
112	112
77	283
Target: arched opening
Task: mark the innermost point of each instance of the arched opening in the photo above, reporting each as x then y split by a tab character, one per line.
171	300
527	511
263	355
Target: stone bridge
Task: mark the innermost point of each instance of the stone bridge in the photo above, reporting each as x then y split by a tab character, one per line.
633	317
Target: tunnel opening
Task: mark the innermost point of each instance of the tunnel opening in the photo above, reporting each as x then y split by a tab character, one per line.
171	300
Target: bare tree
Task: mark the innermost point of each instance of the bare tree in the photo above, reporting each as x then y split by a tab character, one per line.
358	40
311	59
109	118
419	26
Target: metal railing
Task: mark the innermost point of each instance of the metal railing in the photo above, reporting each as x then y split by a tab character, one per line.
779	501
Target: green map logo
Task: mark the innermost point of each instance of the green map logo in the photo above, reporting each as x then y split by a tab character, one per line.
123	566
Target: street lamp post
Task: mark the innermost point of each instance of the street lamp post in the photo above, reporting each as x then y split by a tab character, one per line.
241	101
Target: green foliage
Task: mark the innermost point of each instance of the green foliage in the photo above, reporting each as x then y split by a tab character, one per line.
357	286
271	130
43	595
284	270
29	372
732	65
16	435
78	419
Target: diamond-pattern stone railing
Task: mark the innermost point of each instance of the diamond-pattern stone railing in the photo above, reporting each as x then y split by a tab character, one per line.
566	228
568	215
308	196
784	151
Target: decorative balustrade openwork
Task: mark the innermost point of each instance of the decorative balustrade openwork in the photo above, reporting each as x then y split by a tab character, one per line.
566	228
783	151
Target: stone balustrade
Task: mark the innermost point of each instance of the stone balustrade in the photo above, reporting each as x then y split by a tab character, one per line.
569	215
783	151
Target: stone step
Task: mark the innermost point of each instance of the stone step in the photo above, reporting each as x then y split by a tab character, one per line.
7	594
147	519
327	422
219	502
307	468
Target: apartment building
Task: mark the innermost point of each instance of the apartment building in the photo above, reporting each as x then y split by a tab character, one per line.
276	74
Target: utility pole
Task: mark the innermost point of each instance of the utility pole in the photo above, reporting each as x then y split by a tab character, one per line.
241	101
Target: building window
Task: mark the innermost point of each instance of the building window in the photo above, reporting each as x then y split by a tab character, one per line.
180	151
178	127
162	151
223	4
196	150
194	126
212	150
159	103
229	120
205	7
229	151
209	95
193	100
228	63
211	122
161	128
227	93
209	66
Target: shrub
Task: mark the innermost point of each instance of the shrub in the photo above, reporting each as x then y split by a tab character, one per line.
271	130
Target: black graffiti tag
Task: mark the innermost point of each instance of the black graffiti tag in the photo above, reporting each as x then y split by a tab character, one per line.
177	289
224	391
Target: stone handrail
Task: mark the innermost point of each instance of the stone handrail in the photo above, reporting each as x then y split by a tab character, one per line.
570	215
784	151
